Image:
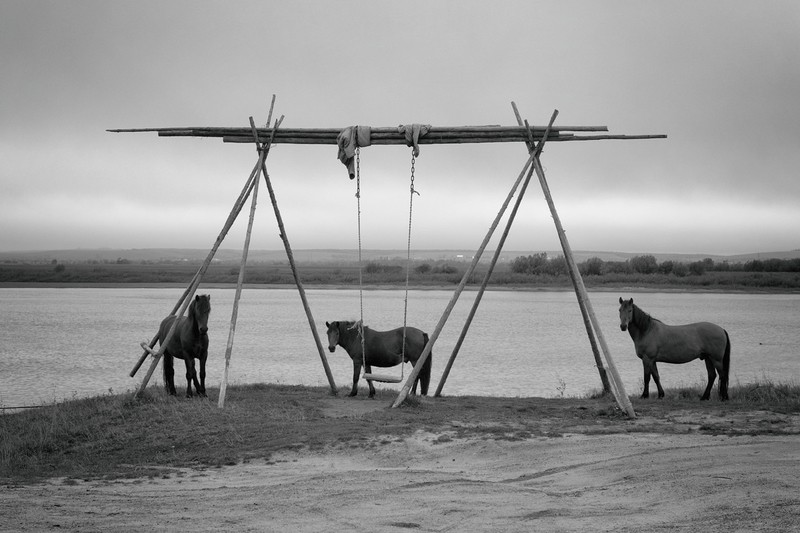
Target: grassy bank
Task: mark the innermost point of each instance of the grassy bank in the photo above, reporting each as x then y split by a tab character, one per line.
116	436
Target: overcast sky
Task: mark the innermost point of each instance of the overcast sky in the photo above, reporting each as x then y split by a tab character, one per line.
721	79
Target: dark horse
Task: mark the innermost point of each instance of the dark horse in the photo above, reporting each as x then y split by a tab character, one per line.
657	342
189	342
383	349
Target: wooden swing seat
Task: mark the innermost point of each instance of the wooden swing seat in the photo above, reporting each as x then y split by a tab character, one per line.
383	378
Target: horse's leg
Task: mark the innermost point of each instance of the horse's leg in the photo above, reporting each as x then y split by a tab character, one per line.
202	355
368	369
356	374
646	389
202	390
169	374
712	374
191	376
657	380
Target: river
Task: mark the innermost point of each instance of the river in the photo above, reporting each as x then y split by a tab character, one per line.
61	343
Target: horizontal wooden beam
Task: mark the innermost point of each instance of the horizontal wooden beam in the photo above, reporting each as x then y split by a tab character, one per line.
391	135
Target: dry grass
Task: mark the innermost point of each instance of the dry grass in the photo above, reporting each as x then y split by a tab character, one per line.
115	436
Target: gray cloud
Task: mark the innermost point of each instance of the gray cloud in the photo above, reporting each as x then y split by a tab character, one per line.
719	78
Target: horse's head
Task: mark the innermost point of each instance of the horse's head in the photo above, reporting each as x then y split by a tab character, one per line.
333	335
625	313
201	308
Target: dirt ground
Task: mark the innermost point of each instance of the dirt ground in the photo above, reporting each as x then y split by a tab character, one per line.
676	480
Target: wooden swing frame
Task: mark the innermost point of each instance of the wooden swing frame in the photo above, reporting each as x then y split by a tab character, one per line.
534	138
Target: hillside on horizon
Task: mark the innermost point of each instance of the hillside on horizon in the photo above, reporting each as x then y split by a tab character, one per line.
155	255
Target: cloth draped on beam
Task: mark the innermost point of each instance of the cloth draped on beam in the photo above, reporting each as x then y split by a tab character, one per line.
357	136
348	140
412	134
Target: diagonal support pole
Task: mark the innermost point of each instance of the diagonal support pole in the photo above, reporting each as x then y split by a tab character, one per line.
617	387
148	348
237	207
426	352
223	388
312	324
496	256
572	272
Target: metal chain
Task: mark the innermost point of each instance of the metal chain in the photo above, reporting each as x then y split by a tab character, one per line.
360	280
412	191
408	260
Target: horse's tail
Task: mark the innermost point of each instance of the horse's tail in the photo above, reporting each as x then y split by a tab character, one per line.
726	368
425	372
162	332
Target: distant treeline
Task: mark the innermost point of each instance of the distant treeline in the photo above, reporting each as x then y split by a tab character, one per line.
646	271
532	271
647	264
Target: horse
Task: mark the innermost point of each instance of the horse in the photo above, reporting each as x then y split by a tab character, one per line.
657	342
189	342
383	349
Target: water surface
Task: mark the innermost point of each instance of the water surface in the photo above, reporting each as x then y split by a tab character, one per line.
64	343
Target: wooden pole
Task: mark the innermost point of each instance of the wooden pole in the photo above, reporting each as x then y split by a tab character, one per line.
223	388
237	207
149	350
617	387
300	289
581	304
488	275
391	135
462	139
426	352
380	135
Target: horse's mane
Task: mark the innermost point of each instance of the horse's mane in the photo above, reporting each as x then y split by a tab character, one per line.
354	324
642	319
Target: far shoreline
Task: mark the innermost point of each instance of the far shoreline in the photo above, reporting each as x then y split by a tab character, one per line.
382	287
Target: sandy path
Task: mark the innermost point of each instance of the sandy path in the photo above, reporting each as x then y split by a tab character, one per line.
621	482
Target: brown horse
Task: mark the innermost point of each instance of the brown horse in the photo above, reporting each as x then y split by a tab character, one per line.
383	349
189	342
657	342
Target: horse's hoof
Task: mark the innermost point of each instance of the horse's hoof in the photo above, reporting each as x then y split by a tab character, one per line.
351	394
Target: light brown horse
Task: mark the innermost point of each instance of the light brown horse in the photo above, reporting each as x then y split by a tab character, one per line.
383	349
656	342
